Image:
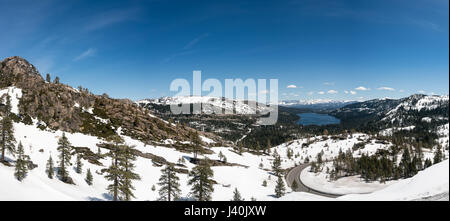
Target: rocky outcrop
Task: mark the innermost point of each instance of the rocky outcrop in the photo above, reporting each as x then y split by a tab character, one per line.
60	107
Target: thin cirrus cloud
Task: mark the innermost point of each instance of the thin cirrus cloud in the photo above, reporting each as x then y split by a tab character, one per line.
195	41
386	89
112	17
332	92
321	92
292	86
353	92
88	53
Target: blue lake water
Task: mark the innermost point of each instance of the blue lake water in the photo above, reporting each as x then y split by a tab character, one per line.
317	119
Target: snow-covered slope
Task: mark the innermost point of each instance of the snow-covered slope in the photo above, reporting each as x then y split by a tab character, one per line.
429	184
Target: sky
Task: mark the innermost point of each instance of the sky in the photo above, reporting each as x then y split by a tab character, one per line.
317	49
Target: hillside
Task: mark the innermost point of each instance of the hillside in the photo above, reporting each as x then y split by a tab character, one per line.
385	113
56	106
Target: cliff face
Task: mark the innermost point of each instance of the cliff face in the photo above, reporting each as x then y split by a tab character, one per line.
60	107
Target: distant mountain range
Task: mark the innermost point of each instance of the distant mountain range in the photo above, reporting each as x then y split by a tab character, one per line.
315	104
416	109
210	104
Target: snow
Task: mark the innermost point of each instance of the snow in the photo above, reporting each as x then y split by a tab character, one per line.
15	94
37	186
344	185
209	104
247	178
390	131
427	119
206	140
427	183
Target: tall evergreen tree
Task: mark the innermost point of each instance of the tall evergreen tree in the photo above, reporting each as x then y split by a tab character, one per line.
64	148
276	165
126	167
89	178
79	165
7	140
202	184
437	155
405	163
21	169
50	168
113	172
237	196
120	172
279	187
170	186
196	143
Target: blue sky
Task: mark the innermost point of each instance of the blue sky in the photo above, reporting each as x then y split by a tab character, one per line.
342	50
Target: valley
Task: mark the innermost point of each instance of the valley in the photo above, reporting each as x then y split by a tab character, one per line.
345	151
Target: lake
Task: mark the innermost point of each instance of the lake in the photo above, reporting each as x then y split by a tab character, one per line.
317	119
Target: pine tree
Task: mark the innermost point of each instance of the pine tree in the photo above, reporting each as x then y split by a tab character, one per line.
7	140
50	170
21	169
221	156
237	195
196	143
170	186
405	163
64	148
437	155
240	149
126	167
89	178
428	163
294	185
47	78
113	172
79	165
202	185
276	165
279	188
56	81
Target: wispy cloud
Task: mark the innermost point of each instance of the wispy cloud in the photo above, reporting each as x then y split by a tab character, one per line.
109	18
386	89
421	92
353	92
361	88
321	92
328	83
187	49
88	53
292	86
332	92
310	93
195	41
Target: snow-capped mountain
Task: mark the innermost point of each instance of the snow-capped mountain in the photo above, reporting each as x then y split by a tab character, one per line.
316	104
211	104
412	110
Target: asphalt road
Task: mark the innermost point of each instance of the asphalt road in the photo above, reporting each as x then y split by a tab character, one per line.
294	174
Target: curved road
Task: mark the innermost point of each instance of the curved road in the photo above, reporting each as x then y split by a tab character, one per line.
294	174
